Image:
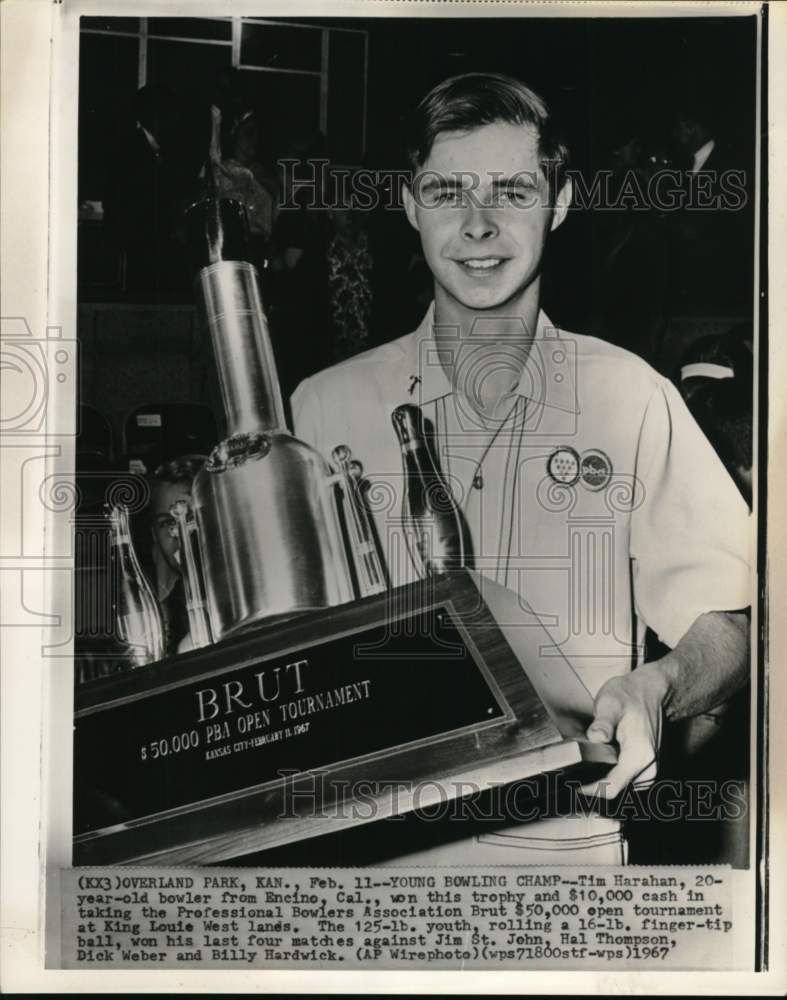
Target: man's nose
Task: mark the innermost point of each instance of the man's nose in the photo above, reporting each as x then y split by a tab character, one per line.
479	223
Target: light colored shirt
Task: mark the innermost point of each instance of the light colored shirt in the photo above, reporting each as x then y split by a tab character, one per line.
603	504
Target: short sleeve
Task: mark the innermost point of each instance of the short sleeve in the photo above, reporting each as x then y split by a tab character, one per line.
690	530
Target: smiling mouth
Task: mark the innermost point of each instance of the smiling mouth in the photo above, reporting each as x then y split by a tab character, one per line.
482	265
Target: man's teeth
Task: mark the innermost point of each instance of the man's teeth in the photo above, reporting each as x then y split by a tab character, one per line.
483	264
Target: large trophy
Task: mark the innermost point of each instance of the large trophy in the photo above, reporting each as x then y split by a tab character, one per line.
265	503
309	677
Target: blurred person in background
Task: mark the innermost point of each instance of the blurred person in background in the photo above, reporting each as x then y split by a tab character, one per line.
160	555
717	382
350	268
712	236
241	175
633	287
152	176
676	246
138	197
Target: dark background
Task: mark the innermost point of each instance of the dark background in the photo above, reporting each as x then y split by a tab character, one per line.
608	78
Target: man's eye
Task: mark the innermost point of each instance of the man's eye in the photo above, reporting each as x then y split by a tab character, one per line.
432	197
521	194
450	197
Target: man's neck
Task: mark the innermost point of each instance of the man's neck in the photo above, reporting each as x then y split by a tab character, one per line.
483	352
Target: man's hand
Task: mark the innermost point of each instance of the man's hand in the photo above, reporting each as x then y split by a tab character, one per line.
630	711
708	665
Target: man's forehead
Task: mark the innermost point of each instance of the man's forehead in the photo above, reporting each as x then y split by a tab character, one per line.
496	148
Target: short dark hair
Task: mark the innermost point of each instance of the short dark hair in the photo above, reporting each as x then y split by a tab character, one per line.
466	102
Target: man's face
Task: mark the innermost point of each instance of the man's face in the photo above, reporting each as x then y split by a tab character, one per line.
481	205
165	533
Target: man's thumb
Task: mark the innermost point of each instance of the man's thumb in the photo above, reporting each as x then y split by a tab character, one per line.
602	728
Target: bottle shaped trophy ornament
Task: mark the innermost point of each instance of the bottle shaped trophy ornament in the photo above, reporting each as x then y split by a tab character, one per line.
432	522
367	561
137	616
190	558
264	504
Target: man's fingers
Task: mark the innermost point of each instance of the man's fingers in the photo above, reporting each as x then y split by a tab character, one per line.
613	783
606	716
636	759
600	732
648	776
610	786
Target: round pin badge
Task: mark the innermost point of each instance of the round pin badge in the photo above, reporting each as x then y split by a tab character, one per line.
595	469
563	466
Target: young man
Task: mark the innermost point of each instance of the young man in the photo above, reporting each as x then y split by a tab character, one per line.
585	484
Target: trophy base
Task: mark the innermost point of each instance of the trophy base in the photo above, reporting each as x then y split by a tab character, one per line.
432	693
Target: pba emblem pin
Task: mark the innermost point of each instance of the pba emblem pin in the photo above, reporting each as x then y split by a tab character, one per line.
595	469
563	466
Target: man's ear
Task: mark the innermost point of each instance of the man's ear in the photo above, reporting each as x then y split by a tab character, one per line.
409	205
562	203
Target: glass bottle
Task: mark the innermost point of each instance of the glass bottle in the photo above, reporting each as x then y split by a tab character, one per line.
367	561
136	611
432	522
190	555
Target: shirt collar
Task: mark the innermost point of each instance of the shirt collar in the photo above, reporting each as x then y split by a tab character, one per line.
427	381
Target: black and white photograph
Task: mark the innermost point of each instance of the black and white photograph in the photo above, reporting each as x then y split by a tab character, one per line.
398	431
